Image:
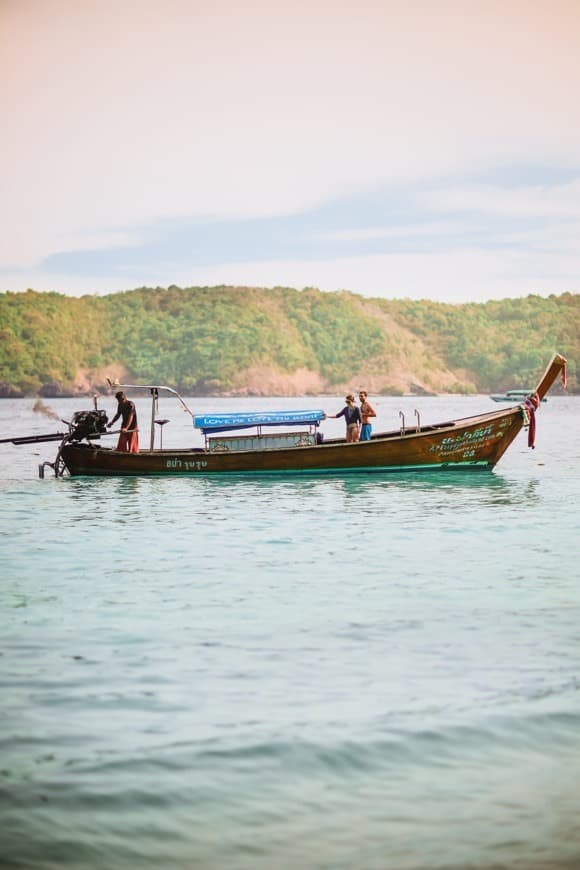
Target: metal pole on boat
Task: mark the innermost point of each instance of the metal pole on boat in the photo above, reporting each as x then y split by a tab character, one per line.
402	416
154	398
161	424
418	429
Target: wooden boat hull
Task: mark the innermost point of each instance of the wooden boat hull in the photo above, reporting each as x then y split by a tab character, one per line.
472	444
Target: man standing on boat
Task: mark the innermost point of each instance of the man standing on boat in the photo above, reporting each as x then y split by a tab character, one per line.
129	436
367	411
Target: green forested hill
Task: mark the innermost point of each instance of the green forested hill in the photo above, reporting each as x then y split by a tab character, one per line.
235	340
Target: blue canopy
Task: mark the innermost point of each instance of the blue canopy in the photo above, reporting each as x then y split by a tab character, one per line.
227	422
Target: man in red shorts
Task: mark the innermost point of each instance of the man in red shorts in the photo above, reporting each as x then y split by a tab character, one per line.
129	436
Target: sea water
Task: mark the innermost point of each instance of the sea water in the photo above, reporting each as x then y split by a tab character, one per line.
375	672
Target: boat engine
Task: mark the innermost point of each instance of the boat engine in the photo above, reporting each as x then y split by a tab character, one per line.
83	424
87	424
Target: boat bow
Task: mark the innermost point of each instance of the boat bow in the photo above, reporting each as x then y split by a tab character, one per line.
556	368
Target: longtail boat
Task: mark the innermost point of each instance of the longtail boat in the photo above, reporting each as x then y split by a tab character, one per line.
468	444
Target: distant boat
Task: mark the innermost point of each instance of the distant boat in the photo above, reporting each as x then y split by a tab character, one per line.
471	443
513	396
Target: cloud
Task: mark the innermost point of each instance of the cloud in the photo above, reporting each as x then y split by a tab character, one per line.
406	231
132	113
538	201
562	237
490	248
454	276
16	251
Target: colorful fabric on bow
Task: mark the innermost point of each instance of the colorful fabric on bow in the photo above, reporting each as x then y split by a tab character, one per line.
529	409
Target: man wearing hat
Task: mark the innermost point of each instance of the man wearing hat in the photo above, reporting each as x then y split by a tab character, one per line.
129	436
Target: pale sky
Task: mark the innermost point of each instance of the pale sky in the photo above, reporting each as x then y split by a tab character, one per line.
404	148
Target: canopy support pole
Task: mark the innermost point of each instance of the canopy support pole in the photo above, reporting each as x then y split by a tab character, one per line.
154	398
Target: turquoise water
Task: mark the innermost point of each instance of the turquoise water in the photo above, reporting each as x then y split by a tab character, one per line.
365	673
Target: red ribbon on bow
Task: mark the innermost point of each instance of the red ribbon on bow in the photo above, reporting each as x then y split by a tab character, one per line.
532	403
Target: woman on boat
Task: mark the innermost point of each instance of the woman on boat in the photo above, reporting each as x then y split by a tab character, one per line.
129	436
352	417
